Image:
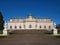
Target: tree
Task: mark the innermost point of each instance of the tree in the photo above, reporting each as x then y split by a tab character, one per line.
1	22
58	26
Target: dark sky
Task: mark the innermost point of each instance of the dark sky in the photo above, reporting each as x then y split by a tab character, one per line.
38	8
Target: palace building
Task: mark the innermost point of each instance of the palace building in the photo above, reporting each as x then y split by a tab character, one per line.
29	23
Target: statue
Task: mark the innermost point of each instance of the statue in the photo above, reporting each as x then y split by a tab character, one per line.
5	29
54	30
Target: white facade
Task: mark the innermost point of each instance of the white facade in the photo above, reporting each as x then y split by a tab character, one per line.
29	23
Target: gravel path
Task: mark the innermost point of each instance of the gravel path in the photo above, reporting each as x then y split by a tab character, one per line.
29	39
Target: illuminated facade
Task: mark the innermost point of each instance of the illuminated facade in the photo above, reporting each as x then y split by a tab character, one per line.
29	23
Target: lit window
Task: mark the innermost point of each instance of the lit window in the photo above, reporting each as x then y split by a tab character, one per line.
30	26
15	27
10	27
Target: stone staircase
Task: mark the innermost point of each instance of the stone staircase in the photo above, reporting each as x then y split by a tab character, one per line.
29	32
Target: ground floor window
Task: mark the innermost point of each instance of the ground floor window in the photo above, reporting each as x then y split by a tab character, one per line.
24	26
15	27
45	27
10	27
30	26
49	27
39	26
35	26
20	27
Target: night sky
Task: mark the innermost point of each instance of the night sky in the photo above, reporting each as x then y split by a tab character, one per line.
38	8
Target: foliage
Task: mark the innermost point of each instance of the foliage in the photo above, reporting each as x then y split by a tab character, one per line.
1	22
58	26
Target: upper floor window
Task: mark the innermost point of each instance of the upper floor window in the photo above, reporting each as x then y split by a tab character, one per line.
10	27
30	26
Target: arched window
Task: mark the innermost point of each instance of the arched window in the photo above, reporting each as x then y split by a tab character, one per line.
30	26
24	26
15	27
44	26
35	26
10	27
19	26
39	26
49	27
